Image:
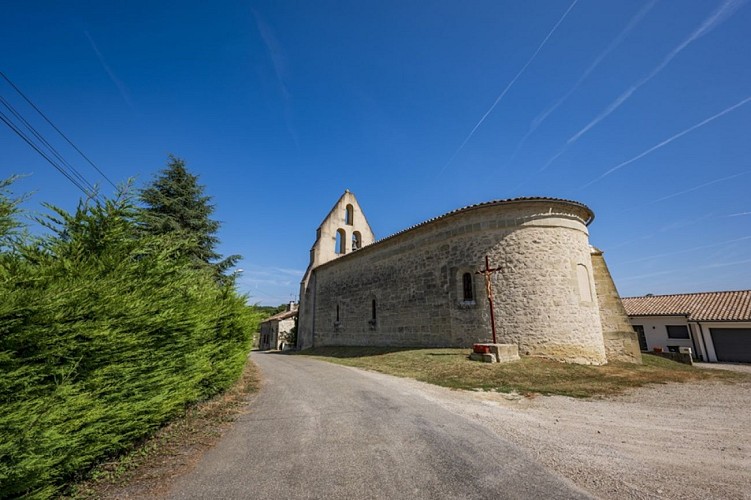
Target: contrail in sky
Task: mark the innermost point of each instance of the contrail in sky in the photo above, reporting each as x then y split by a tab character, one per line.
715	19
553	158
508	87
613	44
685	250
689	190
279	63
670	227
120	85
682	270
668	141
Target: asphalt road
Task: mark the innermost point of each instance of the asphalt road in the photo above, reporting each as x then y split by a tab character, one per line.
318	430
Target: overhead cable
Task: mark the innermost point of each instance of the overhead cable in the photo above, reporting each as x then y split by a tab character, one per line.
57	129
22	135
71	169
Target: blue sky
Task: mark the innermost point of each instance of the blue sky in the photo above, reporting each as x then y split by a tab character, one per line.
640	109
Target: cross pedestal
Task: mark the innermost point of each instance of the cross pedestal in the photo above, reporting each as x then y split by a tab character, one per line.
494	353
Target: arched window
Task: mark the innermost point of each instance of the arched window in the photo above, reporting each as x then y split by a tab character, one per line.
468	294
356	241
349	214
341	242
585	288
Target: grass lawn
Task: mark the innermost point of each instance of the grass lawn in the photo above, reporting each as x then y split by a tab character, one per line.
451	368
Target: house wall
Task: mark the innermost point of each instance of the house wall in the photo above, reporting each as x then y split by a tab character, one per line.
702	346
274	332
284	328
704	328
267	335
545	300
656	332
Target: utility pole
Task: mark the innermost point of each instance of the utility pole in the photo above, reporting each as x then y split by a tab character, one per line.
489	289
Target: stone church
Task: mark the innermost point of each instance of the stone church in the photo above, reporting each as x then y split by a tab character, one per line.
553	294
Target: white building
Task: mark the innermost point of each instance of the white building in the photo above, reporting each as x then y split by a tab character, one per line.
715	325
277	331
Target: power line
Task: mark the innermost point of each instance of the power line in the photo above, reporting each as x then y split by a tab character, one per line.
40	137
23	136
56	129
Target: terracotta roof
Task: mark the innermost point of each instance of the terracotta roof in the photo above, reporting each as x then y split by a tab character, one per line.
280	316
705	306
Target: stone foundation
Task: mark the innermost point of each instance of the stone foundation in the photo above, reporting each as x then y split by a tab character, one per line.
495	353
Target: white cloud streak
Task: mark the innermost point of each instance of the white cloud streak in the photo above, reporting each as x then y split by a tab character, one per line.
279	63
722	13
686	250
670	227
686	191
713	265
509	85
261	281
553	158
668	141
118	83
260	271
611	46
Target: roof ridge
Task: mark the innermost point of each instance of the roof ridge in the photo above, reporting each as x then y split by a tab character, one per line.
474	206
683	294
729	305
280	315
488	203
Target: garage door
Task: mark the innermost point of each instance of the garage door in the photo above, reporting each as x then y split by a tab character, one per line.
732	344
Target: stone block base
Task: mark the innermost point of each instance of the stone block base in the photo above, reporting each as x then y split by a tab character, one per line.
496	353
622	346
485	357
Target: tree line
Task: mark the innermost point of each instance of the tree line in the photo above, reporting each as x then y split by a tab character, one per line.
111	322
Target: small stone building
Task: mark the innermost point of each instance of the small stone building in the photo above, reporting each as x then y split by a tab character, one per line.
553	294
277	331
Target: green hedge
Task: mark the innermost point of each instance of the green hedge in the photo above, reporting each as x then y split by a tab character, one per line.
105	334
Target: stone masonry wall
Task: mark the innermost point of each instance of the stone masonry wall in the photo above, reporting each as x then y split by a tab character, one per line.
285	327
325	249
544	295
621	342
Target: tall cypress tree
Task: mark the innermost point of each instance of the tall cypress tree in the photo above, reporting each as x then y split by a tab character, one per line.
175	203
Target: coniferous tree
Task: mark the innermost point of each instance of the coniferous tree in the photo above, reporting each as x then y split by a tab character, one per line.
9	210
176	204
106	333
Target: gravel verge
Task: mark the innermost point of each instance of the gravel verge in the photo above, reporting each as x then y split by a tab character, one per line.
688	441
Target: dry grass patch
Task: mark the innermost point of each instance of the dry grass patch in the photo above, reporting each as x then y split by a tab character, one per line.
451	368
149	468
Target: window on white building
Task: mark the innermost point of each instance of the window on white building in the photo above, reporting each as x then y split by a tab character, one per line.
677	331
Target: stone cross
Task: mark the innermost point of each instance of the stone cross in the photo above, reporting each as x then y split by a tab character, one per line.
489	289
